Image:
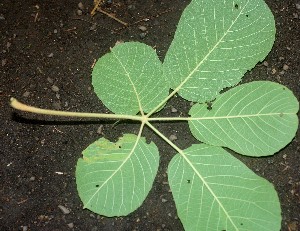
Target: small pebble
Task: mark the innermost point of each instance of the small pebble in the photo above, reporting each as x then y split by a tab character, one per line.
55	31
172	137
2	17
56	106
284	156
79	12
24	228
297	6
32	178
50	80
8	44
100	130
163	200
93	26
64	209
142	35
285	67
3	62
94	228
57	96
143	28
70	225
26	94
265	63
131	7
274	71
55	88
50	55
295	15
174	110
80	6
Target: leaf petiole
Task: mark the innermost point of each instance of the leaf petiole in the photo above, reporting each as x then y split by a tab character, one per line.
23	107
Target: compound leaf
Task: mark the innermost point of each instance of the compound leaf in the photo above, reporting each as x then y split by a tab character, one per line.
255	119
129	79
215	43
215	191
113	179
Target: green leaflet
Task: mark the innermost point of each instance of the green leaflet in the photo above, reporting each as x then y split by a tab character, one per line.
129	79
255	119
113	179
215	43
214	191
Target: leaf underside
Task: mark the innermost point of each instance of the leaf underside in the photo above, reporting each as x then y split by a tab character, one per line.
215	43
129	79
215	191
254	119
113	179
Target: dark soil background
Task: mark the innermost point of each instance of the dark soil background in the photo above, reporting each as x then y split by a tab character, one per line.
47	51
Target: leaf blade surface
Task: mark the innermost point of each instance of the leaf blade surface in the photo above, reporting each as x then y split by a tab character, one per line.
215	191
129	79
255	119
113	179
215	43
